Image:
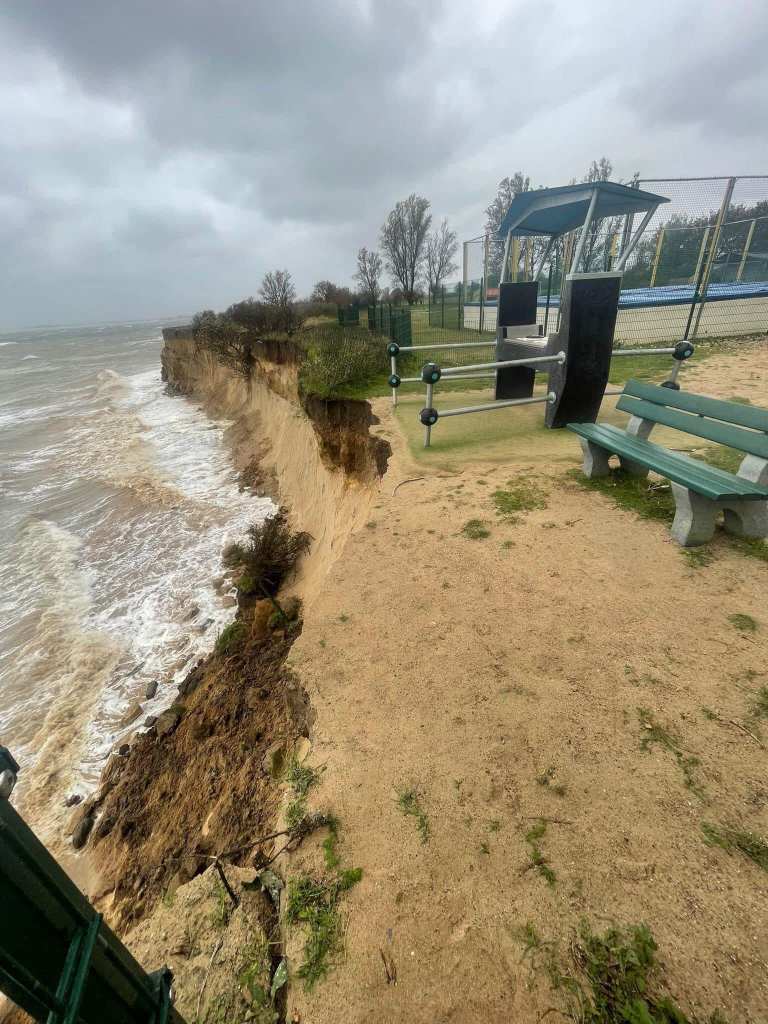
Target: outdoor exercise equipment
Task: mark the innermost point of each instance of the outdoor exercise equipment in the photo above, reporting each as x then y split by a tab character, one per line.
556	365
59	961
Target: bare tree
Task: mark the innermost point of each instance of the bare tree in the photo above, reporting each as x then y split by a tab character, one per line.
506	191
277	288
439	251
327	291
403	235
369	268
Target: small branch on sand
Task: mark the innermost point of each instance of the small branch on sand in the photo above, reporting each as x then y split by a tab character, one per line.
549	821
225	883
411	480
738	725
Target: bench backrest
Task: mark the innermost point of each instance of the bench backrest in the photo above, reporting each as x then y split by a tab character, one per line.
743	427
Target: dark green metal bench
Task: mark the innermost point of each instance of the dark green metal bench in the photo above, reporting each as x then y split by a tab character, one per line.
700	490
59	961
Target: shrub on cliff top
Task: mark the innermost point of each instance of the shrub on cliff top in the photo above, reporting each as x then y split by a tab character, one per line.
268	556
339	359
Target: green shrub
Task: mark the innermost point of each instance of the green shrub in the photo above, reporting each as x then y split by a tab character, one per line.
230	638
268	556
340	359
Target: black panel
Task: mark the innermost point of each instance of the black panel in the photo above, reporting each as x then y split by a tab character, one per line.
587	324
517	303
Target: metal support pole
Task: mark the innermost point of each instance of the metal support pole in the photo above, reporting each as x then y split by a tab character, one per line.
442	308
515	260
627	251
745	251
712	252
585	228
549	295
656	258
530	361
484	280
702	250
550	397
642	352
505	258
393	369
547	251
427	428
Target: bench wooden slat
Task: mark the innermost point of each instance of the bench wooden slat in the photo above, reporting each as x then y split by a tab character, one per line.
713	483
702	405
713	430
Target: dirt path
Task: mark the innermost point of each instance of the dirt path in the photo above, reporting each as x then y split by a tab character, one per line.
514	678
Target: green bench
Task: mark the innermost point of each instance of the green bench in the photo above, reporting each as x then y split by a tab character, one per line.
700	491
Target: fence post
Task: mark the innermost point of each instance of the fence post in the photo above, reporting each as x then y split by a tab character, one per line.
459	308
745	252
707	268
483	281
442	308
657	257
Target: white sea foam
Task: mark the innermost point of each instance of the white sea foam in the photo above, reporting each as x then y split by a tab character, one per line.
121	500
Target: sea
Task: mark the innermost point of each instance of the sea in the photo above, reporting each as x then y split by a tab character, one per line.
116	499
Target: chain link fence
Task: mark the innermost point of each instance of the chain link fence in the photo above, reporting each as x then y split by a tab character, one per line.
700	268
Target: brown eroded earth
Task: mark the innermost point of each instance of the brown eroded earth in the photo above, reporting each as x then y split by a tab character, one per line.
515	679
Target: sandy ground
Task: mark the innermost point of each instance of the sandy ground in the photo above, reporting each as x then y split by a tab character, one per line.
473	670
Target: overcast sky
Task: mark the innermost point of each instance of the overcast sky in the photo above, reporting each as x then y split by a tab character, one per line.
157	156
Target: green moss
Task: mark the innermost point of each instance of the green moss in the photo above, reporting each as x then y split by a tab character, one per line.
230	639
744	623
475	529
729	839
521	495
538	861
409	802
314	903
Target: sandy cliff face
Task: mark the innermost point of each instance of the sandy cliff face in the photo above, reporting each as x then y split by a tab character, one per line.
324	461
198	783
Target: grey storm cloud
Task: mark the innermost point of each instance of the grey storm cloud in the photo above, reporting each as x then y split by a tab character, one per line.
158	158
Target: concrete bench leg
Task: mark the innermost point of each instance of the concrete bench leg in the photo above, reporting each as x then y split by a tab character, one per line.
633	468
595	459
746	518
694	521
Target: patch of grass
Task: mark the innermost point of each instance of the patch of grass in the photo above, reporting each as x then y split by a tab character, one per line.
697	558
522	495
618	980
410	804
530	938
330	847
230	638
744	623
710	714
343	618
254	977
494	825
751	547
314	903
730	839
636	494
485	848
301	778
507	544
654	733
475	529
223	909
268	556
760	703
538	861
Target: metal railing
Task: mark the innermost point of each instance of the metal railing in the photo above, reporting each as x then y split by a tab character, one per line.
59	961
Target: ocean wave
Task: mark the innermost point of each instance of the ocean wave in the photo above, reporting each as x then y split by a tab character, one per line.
5	344
61	665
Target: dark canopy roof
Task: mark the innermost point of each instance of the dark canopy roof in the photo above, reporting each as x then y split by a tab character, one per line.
554	211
